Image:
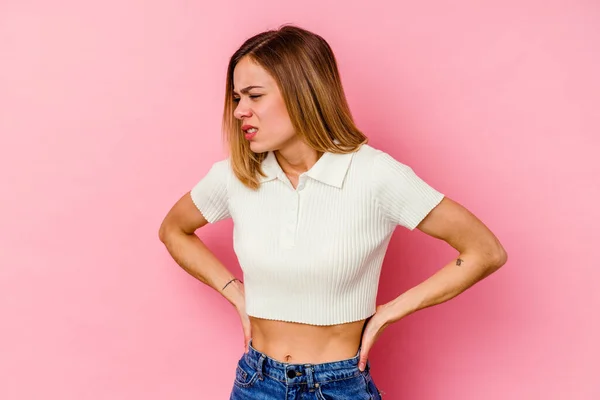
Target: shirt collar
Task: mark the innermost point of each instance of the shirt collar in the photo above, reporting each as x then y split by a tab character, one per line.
330	168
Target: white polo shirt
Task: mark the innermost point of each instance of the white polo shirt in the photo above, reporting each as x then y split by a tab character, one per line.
313	254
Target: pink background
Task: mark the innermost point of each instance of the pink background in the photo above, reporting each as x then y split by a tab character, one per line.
109	111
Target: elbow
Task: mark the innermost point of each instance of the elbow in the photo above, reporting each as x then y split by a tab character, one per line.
497	258
169	229
501	258
164	231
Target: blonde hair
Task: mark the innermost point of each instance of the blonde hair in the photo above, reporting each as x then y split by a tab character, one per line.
305	69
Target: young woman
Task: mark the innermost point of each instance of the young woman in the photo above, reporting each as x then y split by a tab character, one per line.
314	207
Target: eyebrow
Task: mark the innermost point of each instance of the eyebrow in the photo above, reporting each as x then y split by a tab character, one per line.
247	89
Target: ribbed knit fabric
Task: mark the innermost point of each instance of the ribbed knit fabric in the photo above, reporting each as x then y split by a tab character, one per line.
314	254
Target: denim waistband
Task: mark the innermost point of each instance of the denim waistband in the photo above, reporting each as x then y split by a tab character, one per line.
291	374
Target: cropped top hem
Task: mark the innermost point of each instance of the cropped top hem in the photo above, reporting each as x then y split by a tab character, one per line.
311	320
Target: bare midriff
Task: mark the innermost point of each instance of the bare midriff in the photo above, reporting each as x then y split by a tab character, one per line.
296	343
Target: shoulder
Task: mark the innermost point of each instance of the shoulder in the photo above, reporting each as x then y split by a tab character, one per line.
217	174
221	167
376	160
223	164
366	155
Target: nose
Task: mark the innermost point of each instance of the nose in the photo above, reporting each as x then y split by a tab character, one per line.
241	111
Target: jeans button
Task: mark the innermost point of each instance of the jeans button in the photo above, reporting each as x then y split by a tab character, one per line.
291	374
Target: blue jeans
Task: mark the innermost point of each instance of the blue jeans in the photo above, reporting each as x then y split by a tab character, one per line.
259	377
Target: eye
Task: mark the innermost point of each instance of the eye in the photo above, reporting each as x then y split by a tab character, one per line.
252	96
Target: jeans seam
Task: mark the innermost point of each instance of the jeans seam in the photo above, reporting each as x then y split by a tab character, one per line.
367	380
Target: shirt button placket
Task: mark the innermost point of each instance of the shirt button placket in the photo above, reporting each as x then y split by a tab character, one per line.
293	219
291	223
288	228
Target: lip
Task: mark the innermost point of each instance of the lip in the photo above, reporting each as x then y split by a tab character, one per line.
249	136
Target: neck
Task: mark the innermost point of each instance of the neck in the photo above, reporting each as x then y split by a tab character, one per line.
297	158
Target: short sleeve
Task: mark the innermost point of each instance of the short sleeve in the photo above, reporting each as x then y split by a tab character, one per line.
210	195
402	196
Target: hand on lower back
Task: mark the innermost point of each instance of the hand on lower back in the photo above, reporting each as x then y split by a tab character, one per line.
241	309
246	327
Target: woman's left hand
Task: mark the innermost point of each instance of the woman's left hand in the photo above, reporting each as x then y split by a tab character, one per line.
375	326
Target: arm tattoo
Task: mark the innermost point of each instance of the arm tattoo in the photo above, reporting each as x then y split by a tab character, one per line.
459	262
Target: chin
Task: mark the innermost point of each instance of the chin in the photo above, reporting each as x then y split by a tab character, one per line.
258	148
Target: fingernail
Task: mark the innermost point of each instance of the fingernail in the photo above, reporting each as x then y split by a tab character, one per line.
361	366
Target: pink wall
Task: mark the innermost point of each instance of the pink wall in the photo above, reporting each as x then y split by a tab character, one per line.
109	111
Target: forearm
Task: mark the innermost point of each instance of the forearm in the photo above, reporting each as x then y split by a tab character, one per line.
197	260
451	280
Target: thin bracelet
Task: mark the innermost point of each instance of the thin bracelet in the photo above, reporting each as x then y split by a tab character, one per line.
234	279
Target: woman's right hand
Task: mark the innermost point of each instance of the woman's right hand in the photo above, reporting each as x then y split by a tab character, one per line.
240	306
247	327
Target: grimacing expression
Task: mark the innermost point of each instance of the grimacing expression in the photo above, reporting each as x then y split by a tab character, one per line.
259	104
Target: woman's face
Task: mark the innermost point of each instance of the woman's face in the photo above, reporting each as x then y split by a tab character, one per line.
260	105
